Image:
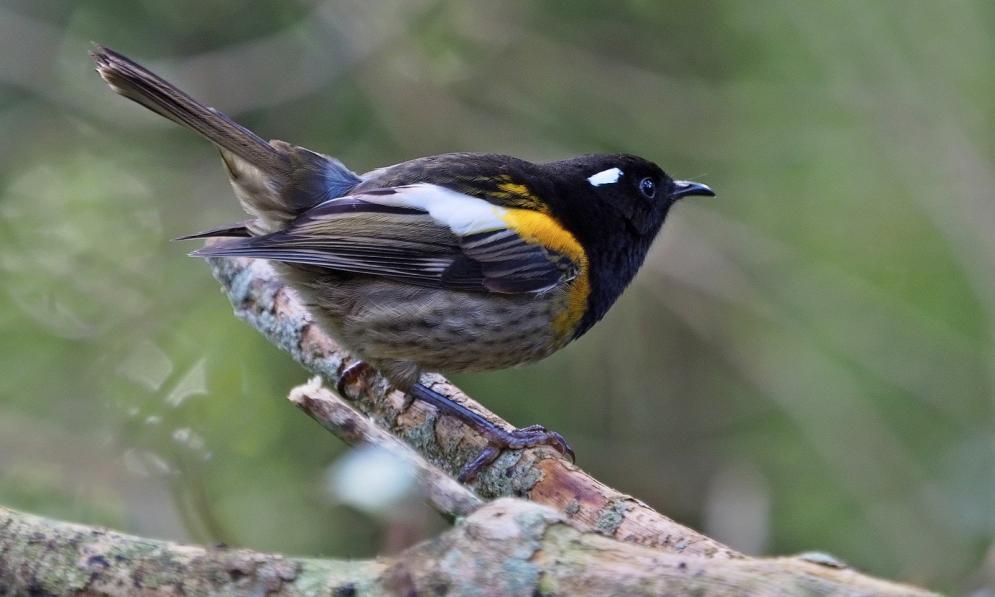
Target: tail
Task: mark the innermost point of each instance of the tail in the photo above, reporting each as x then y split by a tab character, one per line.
138	84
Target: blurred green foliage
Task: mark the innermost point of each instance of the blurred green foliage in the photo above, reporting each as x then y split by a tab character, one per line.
805	362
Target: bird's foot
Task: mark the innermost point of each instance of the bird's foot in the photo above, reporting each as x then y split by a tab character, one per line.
525	437
497	439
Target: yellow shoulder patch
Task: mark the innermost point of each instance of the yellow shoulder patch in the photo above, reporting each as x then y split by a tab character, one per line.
513	188
542	229
518	195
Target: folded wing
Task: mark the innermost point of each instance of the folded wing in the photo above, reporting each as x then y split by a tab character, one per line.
421	234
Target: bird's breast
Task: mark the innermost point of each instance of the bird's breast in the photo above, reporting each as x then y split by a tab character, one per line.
444	330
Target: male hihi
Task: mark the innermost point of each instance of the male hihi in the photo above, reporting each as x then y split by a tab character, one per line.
454	262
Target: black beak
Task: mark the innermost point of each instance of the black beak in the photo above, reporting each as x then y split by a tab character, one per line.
686	188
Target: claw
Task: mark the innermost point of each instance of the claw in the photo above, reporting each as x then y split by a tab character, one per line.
526	437
485	458
497	439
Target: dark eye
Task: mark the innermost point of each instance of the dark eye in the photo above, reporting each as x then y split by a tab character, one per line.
647	187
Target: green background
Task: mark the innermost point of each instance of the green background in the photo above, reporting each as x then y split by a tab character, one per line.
804	362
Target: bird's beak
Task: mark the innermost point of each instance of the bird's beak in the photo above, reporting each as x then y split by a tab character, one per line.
686	188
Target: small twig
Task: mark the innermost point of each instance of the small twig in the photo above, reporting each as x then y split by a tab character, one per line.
447	496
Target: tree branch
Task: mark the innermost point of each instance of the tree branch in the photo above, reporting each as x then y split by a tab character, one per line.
507	547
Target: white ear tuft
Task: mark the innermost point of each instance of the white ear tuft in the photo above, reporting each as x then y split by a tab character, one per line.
609	176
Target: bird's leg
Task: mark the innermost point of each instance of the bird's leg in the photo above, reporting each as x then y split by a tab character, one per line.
498	439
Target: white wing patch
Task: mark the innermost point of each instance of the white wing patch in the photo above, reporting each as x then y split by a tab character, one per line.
462	213
609	176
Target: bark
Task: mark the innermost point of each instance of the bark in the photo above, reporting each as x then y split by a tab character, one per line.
507	547
570	535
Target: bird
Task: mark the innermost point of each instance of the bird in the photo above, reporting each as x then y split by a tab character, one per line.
445	263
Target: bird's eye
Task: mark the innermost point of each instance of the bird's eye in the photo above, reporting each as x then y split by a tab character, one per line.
647	187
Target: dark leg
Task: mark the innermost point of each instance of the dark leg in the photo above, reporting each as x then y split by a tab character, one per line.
498	439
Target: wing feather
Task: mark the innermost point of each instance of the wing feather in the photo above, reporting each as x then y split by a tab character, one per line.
420	234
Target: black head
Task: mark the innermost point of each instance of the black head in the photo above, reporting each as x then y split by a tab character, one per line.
615	206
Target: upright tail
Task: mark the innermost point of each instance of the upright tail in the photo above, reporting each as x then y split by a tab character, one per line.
138	84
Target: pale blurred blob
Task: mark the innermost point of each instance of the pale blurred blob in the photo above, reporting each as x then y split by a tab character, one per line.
373	480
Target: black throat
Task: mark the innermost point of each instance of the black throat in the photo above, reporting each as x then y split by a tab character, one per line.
615	239
611	269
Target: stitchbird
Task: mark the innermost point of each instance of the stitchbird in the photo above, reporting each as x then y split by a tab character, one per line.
452	262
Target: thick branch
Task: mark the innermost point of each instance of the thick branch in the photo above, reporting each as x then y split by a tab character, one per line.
39	556
538	474
507	547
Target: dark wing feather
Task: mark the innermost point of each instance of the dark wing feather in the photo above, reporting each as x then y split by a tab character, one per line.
510	265
396	240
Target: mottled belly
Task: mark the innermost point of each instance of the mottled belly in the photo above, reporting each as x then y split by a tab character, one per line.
437	330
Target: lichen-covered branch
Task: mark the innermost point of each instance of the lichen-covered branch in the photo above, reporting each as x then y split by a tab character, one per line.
39	556
506	547
539	474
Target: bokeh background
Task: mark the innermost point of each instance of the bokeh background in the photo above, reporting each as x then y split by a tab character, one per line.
805	362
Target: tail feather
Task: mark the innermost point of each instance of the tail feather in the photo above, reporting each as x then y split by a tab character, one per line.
138	84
